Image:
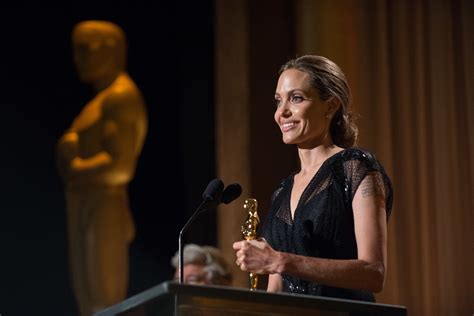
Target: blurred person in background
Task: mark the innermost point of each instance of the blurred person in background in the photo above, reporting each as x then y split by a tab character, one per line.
203	265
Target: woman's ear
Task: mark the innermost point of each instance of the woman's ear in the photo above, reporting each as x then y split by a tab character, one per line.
333	105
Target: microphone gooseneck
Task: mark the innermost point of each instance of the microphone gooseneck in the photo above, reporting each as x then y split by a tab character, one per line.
211	198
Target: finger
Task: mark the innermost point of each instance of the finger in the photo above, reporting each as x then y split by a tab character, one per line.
245	244
237	245
260	244
254	242
239	253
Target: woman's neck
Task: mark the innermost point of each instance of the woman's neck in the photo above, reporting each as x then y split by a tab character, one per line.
311	159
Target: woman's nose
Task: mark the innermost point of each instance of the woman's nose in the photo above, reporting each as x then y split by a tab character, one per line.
284	110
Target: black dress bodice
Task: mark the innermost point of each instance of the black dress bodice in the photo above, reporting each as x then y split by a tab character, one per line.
323	223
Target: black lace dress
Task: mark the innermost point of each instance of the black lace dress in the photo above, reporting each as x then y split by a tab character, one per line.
323	224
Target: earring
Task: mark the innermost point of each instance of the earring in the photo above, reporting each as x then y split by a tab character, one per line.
328	116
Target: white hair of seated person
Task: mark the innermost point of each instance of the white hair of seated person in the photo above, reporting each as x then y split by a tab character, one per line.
208	257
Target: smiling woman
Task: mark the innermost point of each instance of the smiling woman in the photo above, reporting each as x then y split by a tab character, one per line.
300	113
326	231
317	79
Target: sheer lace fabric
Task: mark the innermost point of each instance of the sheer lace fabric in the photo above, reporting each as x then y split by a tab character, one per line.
323	224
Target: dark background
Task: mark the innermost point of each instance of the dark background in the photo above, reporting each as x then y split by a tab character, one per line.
171	60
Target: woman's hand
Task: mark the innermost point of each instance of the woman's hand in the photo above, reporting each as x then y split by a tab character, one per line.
257	256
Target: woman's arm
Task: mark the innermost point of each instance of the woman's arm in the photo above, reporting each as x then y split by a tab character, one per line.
274	283
367	272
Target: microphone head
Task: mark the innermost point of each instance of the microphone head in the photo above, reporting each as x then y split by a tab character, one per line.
231	192
213	191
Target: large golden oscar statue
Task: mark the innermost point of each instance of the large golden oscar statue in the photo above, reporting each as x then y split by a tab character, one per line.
96	159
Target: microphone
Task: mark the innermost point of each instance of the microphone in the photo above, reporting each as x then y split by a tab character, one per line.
211	198
231	192
213	194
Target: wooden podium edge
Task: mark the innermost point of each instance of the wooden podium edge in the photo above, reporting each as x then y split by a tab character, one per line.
171	289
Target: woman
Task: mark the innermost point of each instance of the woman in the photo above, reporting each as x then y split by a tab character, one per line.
326	231
203	265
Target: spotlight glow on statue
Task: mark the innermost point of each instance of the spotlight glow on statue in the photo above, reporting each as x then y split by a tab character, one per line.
96	159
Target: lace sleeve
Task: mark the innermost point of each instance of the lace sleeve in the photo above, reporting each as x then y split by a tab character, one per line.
361	164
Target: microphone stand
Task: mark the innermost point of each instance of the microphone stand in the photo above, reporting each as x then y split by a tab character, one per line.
180	238
213	196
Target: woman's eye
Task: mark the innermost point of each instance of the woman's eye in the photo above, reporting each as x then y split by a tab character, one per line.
277	102
296	98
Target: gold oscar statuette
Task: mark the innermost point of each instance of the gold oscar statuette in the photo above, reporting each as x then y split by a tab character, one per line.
249	231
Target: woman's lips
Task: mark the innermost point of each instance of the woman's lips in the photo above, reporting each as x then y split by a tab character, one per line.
285	127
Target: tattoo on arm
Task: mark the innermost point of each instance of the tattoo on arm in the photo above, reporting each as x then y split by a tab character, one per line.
372	186
367	188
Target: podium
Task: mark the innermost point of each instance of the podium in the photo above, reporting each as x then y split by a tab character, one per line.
173	299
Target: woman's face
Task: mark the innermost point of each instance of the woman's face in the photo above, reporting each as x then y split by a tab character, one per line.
299	113
193	274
